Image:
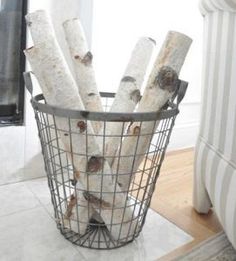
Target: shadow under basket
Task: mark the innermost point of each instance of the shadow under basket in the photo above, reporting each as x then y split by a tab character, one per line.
78	206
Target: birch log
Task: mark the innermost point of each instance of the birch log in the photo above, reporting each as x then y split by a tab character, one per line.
58	88
160	87
94	173
40	26
41	30
82	60
80	210
128	94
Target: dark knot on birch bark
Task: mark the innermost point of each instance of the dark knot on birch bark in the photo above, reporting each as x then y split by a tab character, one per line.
135	96
82	126
167	79
86	60
136	130
95	164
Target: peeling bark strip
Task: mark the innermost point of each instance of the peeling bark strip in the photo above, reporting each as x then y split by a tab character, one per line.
70	206
128	94
82	61
96	201
160	87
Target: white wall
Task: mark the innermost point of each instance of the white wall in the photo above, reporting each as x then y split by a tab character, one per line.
116	27
20	152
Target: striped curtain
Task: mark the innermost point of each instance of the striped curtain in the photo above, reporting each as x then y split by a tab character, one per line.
215	158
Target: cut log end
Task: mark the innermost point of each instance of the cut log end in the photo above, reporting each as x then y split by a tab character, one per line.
178	34
167	79
128	79
91	94
95	164
152	40
68	21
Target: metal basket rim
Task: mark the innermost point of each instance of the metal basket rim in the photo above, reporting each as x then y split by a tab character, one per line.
37	104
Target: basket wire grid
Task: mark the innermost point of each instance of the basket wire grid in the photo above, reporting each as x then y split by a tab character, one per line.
61	174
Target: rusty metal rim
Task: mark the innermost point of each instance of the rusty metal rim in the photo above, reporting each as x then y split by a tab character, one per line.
37	103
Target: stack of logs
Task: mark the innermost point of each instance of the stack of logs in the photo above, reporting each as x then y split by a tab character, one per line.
63	90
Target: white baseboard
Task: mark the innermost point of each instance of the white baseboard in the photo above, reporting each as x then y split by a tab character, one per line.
183	136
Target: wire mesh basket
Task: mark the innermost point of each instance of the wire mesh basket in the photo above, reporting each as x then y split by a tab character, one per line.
81	214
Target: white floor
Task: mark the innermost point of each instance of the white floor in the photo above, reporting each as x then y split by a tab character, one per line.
28	231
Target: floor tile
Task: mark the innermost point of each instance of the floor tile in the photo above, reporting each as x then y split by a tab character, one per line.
159	237
40	189
12	152
32	236
16	197
40	235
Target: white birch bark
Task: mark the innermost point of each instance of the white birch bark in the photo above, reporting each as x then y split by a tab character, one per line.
128	93
85	75
78	209
42	30
60	89
40	26
161	85
92	169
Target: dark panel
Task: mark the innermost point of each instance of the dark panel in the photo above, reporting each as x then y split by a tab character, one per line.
12	61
